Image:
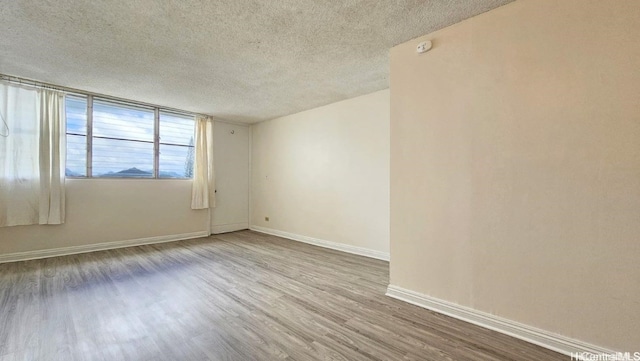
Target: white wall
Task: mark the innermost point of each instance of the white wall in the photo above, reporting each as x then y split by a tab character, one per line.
232	178
324	173
515	163
114	210
107	210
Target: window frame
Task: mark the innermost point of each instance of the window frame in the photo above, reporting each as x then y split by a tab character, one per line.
90	98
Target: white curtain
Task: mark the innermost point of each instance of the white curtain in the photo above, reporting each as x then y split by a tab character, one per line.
203	191
32	156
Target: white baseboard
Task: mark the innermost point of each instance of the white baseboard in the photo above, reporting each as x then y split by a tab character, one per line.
231	227
546	339
326	244
24	256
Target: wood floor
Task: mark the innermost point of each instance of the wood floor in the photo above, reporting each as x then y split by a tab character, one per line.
237	296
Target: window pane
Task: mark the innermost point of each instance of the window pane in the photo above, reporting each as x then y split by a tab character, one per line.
76	108
115	120
176	161
76	156
176	129
76	117
122	158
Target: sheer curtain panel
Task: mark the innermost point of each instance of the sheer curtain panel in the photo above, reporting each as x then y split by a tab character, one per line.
32	156
203	191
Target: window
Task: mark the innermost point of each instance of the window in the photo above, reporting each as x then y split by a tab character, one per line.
176	146
124	140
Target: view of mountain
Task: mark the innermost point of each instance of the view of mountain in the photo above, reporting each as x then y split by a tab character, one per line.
69	173
128	173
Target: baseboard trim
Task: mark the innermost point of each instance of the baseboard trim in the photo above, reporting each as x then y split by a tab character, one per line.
325	244
231	227
24	256
546	339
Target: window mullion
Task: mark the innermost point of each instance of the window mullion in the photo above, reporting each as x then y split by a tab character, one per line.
156	143
125	139
89	136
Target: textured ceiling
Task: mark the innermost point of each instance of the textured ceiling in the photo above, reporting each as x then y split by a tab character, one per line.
240	60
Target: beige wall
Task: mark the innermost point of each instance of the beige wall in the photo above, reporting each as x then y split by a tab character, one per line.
324	173
107	210
515	162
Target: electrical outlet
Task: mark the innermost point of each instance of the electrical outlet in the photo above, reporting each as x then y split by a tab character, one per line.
266	219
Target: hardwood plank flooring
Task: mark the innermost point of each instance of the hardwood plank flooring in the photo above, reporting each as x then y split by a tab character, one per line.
236	296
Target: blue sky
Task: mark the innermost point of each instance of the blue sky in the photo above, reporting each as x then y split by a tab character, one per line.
117	121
